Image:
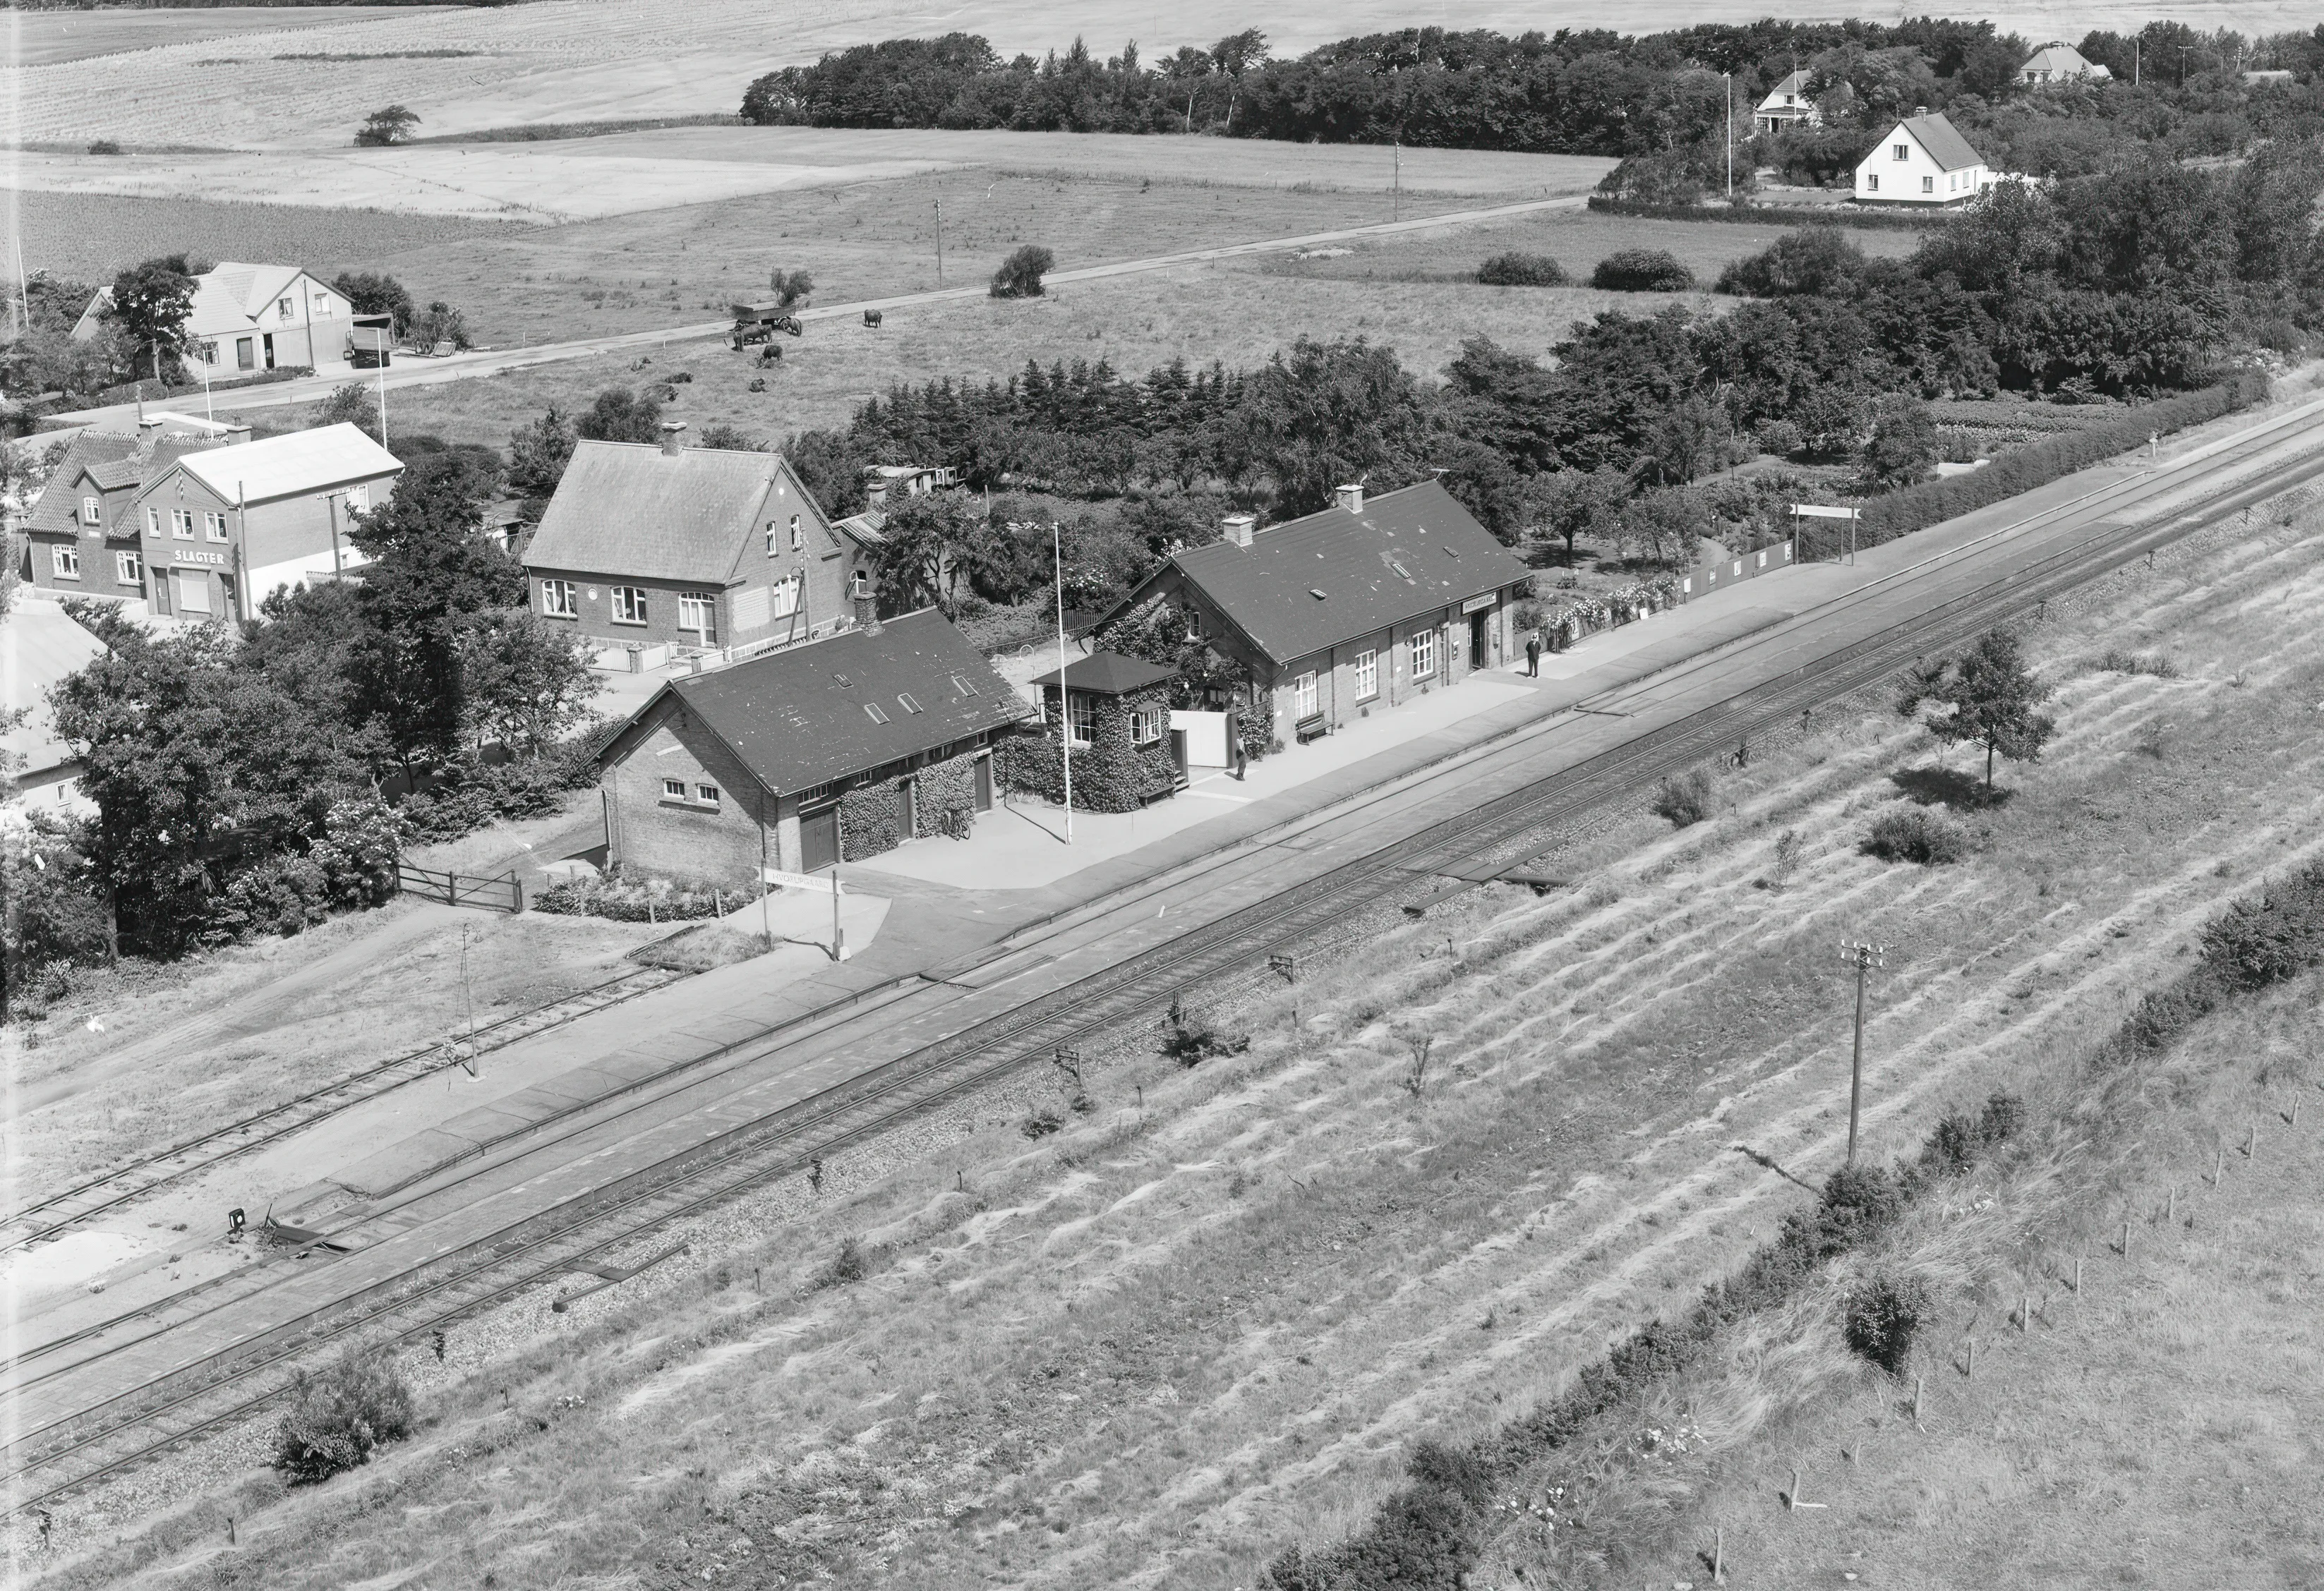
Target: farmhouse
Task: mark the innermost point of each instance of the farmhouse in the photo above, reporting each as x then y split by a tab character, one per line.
2059	63
797	759
1370	601
1787	105
695	547
81	536
224	527
252	318
1923	161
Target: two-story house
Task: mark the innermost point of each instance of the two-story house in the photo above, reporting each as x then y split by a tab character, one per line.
253	317
706	547
81	534
1923	161
222	527
1787	105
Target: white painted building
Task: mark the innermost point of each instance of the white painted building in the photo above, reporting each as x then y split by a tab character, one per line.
1923	161
1787	105
2059	62
253	317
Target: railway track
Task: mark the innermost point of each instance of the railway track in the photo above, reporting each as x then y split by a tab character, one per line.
49	1464
46	1218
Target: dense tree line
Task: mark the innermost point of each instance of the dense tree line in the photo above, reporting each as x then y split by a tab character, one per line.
1579	92
241	775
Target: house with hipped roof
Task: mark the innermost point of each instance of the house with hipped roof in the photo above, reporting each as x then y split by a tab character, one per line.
247	317
1923	161
711	547
1338	614
787	762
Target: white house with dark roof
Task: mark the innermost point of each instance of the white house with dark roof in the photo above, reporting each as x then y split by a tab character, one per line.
253	317
694	546
1922	160
41	643
2059	62
1787	105
1373	600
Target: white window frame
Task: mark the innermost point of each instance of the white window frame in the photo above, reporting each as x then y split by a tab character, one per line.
153	521
1928	184
1081	711
92	511
786	596
798	535
1424	654
629	605
213	526
559	599
705	794
284	309
704	607
129	568
64	561
1872	182
1145	725
1367	675
1305	697
1903	151
673	789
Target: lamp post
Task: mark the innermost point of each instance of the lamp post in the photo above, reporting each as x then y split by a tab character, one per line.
1865	958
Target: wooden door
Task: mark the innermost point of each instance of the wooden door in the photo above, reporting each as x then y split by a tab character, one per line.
819	838
985	784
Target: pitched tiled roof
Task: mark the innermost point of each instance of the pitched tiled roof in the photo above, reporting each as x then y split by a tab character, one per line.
111	460
797	717
1795	85
1338	576
1944	142
1109	673
627	507
39	646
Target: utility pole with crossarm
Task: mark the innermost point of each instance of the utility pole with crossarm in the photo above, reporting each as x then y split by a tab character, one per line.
1866	958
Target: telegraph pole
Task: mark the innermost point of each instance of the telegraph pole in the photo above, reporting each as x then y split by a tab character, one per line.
939	240
1865	958
1730	134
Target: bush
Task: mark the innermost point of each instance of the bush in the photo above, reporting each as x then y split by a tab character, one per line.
1020	276
1642	271
103	146
339	1417
2115	660
1914	836
2255	944
843	1268
1882	1318
1191	1040
1963	1138
1516	269
1685	801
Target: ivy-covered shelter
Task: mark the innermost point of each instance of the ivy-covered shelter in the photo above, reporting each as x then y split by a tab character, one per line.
833	751
1114	711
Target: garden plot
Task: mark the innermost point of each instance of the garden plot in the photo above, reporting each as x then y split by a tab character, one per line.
1211	1319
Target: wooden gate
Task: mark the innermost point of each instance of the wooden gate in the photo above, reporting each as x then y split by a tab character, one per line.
504	893
818	839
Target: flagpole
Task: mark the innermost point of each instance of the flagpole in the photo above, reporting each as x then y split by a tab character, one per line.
1065	697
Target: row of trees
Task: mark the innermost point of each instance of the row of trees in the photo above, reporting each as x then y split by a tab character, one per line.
241	779
1574	92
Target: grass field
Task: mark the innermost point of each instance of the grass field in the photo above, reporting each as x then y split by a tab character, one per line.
530	286
1210	1318
47	38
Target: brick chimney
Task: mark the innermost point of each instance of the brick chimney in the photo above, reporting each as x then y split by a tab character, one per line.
860	587
1239	527
238	432
1351	498
875	495
672	430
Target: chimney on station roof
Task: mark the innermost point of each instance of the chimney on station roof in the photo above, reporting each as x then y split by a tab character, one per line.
860	586
1239	527
672	430
1351	498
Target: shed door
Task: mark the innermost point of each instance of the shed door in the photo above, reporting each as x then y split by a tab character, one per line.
985	784
819	838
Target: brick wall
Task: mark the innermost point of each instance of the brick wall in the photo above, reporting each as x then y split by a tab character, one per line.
651	835
1336	696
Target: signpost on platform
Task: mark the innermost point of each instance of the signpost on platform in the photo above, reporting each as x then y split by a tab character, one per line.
1805	510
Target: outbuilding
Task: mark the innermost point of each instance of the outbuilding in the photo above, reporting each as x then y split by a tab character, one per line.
1335	615
833	751
1114	714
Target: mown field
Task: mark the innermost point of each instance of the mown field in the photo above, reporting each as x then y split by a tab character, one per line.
1407	293
1211	1318
46	38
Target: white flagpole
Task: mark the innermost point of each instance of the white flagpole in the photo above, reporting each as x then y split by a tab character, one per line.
1064	697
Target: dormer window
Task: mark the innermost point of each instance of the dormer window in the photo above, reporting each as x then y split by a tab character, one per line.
92	511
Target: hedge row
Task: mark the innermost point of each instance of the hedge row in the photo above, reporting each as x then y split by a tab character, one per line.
1433	1532
1779	215
1930	502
